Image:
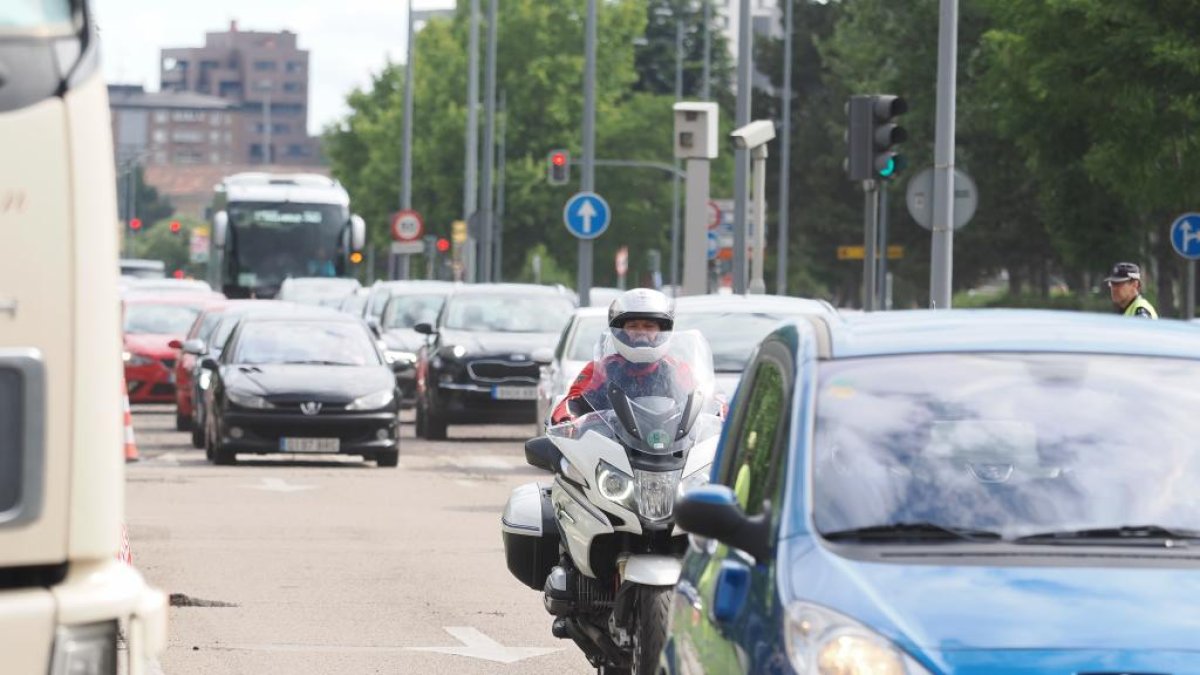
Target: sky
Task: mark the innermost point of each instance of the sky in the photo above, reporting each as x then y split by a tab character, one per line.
347	40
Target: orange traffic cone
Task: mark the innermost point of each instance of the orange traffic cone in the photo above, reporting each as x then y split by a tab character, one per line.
131	452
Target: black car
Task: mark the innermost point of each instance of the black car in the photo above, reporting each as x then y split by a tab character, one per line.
302	384
482	358
409	303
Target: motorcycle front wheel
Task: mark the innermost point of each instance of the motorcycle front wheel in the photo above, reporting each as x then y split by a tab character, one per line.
650	633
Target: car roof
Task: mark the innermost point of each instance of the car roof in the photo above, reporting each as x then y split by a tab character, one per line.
173	298
998	330
331	317
322	281
415	284
511	288
752	303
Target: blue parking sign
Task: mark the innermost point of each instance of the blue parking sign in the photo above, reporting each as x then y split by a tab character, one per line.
714	245
586	215
1185	235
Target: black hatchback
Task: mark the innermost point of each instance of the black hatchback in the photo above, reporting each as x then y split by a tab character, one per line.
305	386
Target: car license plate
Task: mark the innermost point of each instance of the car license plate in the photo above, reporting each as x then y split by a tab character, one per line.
309	444
511	393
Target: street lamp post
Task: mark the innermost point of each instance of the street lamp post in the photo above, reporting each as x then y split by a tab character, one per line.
265	87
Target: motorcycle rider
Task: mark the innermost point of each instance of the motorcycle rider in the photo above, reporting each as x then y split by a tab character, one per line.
640	322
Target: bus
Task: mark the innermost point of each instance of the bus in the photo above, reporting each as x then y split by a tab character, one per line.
269	227
67	604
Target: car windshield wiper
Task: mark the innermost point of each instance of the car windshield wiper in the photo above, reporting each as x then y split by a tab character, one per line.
1139	534
912	531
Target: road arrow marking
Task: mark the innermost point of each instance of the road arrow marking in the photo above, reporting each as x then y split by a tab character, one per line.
587	212
279	485
476	645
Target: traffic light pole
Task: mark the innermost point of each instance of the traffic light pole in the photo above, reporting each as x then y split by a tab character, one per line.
870	244
881	279
741	156
486	196
406	166
587	174
470	191
941	270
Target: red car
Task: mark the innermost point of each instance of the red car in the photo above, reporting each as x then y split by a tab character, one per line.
185	363
151	322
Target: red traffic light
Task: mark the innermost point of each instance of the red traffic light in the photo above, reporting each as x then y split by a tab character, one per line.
178	274
135	223
558	158
443	245
175	226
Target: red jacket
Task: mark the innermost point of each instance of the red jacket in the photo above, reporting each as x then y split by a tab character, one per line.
590	381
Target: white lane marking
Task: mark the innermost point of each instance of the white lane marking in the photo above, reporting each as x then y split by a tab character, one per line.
278	485
476	645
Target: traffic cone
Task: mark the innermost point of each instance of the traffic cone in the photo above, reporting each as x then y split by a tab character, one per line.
131	451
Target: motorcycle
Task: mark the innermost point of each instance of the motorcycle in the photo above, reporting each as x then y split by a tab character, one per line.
599	541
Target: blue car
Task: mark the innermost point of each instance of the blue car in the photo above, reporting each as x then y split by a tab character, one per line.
984	491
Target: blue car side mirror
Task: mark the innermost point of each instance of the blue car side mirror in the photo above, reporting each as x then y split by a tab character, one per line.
733	587
713	511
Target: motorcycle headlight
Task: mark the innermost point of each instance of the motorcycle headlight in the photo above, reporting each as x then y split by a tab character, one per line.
89	648
379	399
820	641
694	480
615	485
656	493
245	400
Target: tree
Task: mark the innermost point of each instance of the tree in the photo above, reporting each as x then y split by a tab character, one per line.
655	55
149	206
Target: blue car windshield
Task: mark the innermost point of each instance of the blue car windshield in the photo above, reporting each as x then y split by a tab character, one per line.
1011	443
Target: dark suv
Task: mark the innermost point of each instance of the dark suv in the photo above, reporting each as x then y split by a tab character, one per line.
481	360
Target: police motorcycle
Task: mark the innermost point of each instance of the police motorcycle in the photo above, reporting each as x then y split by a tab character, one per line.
599	541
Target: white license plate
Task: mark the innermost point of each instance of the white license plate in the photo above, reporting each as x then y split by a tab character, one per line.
509	393
309	444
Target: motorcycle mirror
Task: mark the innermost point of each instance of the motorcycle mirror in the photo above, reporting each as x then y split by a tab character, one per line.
542	453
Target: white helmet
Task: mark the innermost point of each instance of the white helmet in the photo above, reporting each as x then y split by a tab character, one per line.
641	303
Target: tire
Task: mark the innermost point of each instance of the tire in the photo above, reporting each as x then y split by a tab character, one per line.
182	422
220	455
435	427
419	425
197	437
650	634
387	458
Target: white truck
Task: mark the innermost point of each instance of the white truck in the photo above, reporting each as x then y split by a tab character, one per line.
65	599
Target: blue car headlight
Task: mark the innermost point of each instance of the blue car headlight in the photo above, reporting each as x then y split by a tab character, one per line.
820	641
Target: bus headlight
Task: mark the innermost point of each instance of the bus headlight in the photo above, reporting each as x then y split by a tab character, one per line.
89	648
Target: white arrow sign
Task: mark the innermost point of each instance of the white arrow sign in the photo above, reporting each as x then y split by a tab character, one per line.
476	645
278	485
587	212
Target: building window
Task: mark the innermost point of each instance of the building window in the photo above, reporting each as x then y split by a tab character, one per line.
276	128
294	67
187	136
189	157
187	116
293	87
264	66
215	157
160	136
214	119
228	138
160	116
214	137
296	150
229	89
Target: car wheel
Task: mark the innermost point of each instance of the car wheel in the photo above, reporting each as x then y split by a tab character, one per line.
182	422
419	425
387	458
435	426
218	453
197	437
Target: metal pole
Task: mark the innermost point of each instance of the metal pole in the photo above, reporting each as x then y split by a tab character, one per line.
675	181
267	127
785	159
587	175
498	248
706	84
406	164
870	239
741	156
129	199
757	285
489	150
1189	310
942	249
881	278
695	230
470	190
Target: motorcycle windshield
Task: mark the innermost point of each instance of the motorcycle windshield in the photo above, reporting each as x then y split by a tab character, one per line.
659	401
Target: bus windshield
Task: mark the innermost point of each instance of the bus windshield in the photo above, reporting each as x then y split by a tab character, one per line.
35	15
279	240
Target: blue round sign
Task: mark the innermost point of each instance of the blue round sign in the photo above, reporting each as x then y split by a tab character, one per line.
1185	235
586	215
714	245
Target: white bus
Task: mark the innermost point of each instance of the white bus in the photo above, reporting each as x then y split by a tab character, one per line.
64	596
268	227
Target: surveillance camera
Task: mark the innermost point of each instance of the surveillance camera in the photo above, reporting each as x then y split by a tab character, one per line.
757	133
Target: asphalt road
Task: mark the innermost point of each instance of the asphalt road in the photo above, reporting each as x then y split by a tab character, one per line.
330	565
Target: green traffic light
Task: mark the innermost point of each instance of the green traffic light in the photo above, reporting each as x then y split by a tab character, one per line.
889	168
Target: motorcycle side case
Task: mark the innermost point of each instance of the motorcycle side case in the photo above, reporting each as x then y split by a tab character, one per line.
531	539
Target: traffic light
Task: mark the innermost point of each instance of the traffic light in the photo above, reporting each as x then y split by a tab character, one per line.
558	167
356	258
443	245
175	227
873	135
135	224
178	274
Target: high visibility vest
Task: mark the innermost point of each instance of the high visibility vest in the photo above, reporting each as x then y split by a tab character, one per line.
1139	301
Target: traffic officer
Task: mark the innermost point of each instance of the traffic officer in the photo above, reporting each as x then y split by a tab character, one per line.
1125	286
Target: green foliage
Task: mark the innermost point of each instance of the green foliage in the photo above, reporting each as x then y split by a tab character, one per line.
1072	302
149	206
158	242
540	267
